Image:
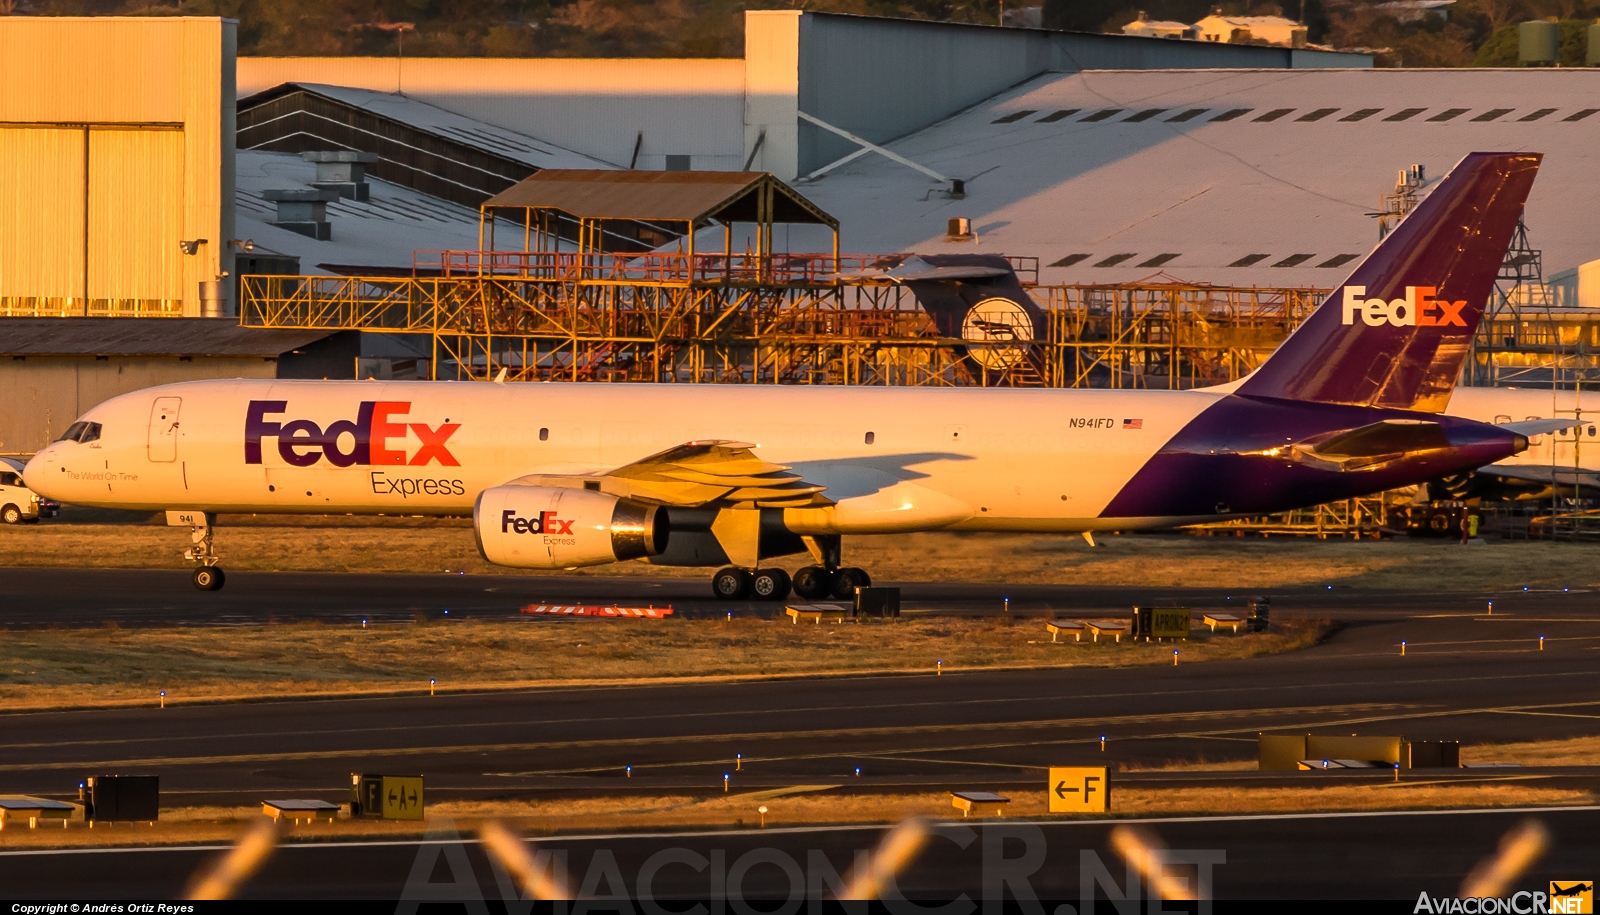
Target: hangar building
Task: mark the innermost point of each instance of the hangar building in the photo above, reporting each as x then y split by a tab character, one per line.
52	370
1243	177
116	165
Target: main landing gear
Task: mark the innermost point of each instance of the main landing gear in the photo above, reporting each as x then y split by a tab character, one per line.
811	583
208	576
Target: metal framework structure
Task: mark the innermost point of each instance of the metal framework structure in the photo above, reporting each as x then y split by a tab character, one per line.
783	319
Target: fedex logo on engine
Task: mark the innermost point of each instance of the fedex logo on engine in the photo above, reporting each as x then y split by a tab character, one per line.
1419	308
546	523
372	438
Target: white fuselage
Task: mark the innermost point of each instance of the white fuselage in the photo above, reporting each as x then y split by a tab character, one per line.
1579	446
911	458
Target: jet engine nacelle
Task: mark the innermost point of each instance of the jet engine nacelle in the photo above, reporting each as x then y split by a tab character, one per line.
550	527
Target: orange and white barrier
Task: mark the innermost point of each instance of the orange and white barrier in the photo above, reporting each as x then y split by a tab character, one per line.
591	610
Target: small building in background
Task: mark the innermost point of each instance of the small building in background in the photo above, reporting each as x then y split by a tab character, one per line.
1416	10
1145	27
1578	287
1269	30
1024	17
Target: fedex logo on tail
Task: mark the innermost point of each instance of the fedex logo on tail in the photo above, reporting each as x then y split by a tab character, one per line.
1419	308
374	437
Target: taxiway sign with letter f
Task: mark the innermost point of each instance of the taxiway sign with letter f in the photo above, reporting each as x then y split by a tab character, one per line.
1083	789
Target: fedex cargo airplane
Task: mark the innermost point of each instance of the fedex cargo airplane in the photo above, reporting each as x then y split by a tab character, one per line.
561	475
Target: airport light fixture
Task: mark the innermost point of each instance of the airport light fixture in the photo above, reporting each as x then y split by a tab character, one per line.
629	770
725	778
431	683
738	761
763	811
1102	743
164	692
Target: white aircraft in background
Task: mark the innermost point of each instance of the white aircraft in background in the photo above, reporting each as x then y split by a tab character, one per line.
560	475
1565	461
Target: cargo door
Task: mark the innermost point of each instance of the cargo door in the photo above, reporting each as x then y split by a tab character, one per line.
164	429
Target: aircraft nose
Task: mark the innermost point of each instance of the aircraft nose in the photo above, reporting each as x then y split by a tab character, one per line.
36	472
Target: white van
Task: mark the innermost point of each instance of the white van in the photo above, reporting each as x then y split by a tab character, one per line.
18	503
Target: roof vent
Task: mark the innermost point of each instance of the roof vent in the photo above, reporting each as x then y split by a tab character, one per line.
959	229
304	210
343	170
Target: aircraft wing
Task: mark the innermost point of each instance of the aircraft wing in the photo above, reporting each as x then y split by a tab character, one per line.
699	473
1533	427
917	269
1549	476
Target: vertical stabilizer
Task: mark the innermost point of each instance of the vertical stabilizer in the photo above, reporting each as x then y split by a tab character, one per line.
1394	333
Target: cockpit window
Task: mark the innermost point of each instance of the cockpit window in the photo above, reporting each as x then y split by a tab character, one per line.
81	432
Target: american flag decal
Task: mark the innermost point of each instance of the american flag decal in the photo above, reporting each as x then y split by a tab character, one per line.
1133	424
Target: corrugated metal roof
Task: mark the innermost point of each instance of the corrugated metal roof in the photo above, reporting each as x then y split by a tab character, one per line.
146	337
598	194
441	123
1234	196
381	231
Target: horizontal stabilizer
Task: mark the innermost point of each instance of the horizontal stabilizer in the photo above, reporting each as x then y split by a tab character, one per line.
1371	446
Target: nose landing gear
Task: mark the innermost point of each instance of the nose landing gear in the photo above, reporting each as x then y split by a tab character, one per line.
209	576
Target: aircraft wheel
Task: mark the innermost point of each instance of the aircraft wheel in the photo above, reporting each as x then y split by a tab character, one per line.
813	582
731	584
770	584
846	581
209	578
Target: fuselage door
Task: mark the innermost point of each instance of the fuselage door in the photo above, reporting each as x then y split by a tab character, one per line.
164	429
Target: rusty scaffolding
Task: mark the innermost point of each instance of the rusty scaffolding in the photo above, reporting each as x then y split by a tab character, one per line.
783	319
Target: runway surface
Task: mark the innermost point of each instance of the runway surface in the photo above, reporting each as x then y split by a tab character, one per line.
1466	675
1358	857
95	597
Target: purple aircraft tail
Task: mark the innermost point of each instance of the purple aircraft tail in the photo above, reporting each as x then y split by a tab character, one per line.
1395	333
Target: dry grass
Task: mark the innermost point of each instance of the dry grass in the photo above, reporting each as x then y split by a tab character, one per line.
111	666
354	544
604	814
1578	751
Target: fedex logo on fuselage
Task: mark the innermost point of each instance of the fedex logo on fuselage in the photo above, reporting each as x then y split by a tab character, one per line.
374	437
546	523
1419	308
